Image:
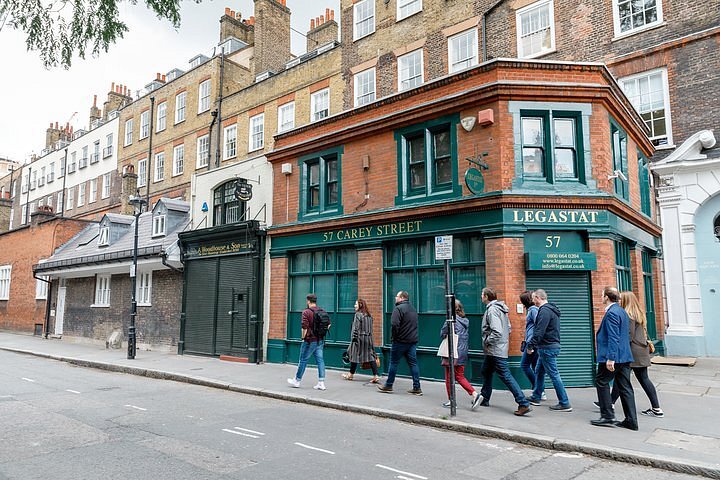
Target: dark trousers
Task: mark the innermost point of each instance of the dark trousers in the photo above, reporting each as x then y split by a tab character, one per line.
499	365
641	373
373	367
621	375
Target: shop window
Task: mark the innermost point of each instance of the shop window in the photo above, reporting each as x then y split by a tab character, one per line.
620	162
411	266
644	180
622	265
320	189
551	146
427	163
226	208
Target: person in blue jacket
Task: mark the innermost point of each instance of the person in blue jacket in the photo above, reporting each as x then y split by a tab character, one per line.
614	358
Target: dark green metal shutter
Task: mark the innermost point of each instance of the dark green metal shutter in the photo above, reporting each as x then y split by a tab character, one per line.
200	302
571	293
234	292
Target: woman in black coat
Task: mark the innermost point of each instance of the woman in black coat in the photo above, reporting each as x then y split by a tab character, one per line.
362	347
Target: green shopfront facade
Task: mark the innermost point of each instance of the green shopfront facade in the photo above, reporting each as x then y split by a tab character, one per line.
507	248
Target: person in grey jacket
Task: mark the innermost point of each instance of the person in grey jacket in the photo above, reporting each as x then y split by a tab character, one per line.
496	338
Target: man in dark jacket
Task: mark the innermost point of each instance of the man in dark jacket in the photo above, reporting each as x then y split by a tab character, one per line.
546	340
614	357
404	343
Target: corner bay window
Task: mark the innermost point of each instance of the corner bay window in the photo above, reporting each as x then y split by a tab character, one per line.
321	177
551	146
226	208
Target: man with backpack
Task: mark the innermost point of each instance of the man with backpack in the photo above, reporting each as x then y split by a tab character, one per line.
404	343
315	325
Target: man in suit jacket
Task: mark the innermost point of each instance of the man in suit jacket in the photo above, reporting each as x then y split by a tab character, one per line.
614	357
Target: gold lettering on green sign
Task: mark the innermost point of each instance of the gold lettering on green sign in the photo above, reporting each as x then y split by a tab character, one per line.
384	230
555	217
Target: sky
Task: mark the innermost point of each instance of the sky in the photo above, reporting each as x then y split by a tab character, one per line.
31	97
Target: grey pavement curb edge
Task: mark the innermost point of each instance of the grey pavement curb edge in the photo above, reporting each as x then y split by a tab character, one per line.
548	443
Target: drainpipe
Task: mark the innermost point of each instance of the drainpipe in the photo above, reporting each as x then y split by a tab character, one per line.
27	198
48	298
484	29
65	174
149	160
214	115
219	110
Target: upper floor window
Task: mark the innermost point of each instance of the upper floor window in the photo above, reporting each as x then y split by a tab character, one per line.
128	131
180	107
178	159
363	18
365	87
5	274
102	291
82	163
320	105
204	96
106	185
405	8
70	198
256	132
158	225
159	167
428	160
108	150
161	117
623	265
463	50
230	149
227	208
81	195
142	172
144	124
93	190
144	288
286	117
635	15
649	94
551	145
58	206
203	150
95	157
535	26
321	183
410	70
620	161
104	237
644	182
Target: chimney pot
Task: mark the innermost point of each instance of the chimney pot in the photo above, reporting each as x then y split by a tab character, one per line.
232	13
112	86
252	19
163	78
56	125
322	18
50	124
327	14
227	10
312	24
332	14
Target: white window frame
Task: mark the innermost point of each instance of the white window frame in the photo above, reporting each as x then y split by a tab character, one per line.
204	96
314	103
81	194
356	9
363	79
159	171
104	236
530	10
256	132
161	117
144	124
158	225
178	159
142	172
92	196
473	35
51	173
41	288
102	291
60	200
401	4
5	280
128	132
230	142
105	186
23	214
144	288
401	68
108	151
666	100
180	99
70	198
95	157
201	160
286	117
634	30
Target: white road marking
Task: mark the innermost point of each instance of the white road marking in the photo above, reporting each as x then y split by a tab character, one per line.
249	431
239	433
568	455
413	475
314	448
28	379
137	408
73	391
402	477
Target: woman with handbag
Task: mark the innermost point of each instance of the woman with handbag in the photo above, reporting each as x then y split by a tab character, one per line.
641	348
462	325
362	347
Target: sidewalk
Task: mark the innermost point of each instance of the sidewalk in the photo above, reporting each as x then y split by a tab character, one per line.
685	441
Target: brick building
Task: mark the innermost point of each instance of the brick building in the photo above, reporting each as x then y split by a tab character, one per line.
23	306
538	170
91	286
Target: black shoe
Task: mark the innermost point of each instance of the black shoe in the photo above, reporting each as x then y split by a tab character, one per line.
561	408
533	401
626	424
384	389
604	422
415	391
597	405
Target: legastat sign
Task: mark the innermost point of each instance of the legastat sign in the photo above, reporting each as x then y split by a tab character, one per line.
560	261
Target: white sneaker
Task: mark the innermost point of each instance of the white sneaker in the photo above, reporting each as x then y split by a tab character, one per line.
293	382
543	396
320	386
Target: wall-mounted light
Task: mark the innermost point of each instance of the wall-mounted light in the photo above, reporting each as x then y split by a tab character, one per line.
618	174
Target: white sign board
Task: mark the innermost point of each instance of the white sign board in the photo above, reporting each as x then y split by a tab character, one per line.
443	247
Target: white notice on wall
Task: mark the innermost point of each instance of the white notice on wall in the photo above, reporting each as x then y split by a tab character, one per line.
443	247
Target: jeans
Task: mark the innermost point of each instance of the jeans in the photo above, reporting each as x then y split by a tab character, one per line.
641	374
307	349
499	365
621	375
407	350
548	364
528	365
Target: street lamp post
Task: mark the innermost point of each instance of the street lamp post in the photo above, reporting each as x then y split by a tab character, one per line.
137	202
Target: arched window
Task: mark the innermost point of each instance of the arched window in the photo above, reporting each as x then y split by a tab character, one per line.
226	208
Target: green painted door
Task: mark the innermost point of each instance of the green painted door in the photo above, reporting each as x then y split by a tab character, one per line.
571	293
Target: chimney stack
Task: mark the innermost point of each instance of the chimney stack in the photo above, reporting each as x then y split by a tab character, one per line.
52	134
232	25
323	30
117	97
95	113
272	36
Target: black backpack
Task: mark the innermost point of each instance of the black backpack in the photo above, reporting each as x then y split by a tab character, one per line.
321	323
